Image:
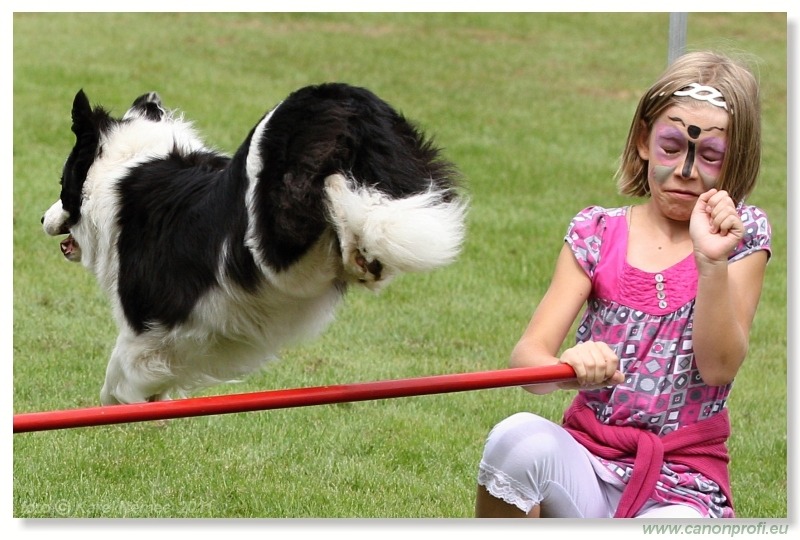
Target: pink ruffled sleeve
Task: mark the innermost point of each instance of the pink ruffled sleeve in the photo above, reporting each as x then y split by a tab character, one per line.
584	236
757	233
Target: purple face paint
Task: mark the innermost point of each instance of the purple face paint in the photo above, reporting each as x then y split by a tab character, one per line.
670	143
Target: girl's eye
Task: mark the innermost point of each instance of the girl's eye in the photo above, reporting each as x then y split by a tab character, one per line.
712	158
669	150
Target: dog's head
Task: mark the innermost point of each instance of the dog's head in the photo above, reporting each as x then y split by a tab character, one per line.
93	128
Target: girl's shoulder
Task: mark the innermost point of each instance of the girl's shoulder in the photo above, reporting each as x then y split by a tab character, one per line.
592	220
590	228
754	216
595	211
757	232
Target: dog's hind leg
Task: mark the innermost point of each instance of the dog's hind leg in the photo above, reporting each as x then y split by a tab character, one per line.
348	213
134	374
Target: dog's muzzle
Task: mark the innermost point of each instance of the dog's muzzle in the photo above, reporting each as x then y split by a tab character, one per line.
54	223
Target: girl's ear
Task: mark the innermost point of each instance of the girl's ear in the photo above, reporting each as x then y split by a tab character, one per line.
642	141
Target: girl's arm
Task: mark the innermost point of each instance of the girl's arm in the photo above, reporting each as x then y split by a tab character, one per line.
594	363
727	294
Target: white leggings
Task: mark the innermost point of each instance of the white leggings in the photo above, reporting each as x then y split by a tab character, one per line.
529	461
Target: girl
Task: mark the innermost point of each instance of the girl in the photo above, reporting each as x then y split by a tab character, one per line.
671	287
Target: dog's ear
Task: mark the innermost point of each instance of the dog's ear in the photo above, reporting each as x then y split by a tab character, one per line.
147	106
82	122
86	125
88	122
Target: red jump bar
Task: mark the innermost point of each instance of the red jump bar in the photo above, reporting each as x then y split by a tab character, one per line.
283	399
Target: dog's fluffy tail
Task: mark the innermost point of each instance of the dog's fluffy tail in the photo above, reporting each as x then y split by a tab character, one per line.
381	236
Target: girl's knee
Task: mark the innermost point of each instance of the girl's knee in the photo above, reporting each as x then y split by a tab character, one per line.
523	438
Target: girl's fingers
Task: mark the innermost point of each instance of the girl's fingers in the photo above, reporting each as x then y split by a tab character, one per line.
593	362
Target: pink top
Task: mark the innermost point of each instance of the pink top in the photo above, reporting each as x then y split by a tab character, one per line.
646	318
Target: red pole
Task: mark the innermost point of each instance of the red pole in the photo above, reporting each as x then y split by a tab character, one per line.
281	399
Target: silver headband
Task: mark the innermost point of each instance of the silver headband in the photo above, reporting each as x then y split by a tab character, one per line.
703	93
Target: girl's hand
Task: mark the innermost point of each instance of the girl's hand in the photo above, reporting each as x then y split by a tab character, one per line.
715	227
595	366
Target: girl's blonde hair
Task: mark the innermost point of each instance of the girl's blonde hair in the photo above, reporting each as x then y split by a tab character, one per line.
739	89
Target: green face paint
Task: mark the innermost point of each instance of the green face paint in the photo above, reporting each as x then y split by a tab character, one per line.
662	172
708	180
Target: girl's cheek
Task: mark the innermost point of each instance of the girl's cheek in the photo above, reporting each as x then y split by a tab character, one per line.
709	176
661	173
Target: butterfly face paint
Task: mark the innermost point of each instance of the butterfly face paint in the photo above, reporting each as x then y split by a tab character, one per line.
686	146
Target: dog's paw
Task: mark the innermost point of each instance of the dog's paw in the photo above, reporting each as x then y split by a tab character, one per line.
365	270
335	185
122	394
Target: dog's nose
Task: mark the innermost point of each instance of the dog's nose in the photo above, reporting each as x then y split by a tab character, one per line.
42	220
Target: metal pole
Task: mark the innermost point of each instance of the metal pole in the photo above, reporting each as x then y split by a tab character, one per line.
677	36
281	399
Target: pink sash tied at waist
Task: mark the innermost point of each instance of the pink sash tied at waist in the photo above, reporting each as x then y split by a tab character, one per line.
700	446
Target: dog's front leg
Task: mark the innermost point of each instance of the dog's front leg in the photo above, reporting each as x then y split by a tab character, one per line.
134	374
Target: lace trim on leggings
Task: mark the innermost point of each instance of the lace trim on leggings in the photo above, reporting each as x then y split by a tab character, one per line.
502	486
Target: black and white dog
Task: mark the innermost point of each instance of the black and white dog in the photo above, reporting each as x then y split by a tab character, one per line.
213	263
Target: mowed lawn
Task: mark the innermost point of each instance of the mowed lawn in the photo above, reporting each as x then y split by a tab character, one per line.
533	108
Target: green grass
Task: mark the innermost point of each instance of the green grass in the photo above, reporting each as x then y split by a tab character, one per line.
534	109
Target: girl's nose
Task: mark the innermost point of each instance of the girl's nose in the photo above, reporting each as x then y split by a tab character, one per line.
688	165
